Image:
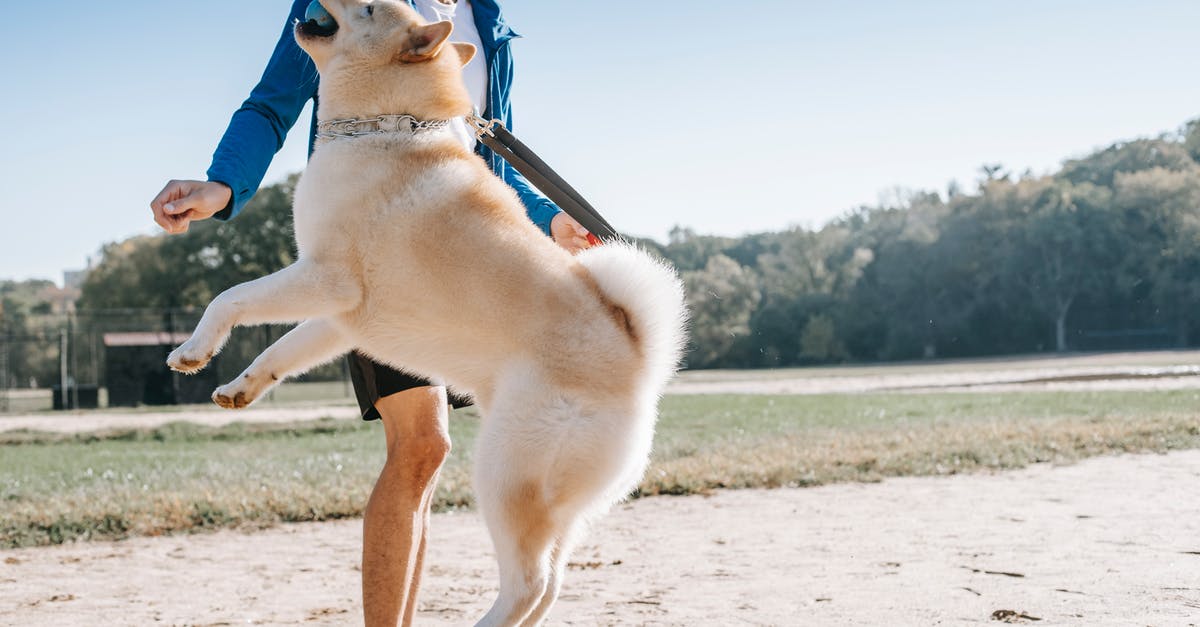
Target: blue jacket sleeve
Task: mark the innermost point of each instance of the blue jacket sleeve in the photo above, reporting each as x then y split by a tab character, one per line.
259	127
540	209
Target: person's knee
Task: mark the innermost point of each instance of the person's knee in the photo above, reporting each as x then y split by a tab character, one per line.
416	425
428	446
419	459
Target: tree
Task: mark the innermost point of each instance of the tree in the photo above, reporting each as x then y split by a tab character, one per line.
721	297
689	251
1101	168
819	340
29	344
1163	224
1190	135
1062	244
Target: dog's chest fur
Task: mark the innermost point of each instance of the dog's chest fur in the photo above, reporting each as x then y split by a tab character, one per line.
365	192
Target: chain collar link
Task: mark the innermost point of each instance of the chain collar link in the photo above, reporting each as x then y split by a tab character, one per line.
403	124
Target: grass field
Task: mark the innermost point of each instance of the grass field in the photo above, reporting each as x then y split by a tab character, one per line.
180	477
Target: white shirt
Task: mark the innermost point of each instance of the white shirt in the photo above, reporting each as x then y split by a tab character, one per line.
465	31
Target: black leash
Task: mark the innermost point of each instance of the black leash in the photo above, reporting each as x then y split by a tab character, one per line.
494	135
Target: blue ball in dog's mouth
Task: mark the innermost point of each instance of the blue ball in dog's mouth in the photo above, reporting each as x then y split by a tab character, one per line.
318	21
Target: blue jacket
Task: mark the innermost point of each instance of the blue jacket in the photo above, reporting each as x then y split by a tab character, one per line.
259	127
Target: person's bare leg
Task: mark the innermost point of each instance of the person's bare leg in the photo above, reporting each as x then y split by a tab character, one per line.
410	606
397	515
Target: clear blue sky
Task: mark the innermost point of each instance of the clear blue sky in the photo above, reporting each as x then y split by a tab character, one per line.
727	117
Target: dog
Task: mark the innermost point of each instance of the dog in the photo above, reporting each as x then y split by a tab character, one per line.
414	253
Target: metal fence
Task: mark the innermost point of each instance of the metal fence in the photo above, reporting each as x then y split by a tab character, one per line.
63	360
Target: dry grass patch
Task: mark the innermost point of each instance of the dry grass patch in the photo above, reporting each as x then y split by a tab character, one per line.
56	488
827	455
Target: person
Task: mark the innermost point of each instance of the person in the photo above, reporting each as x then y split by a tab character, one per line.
414	412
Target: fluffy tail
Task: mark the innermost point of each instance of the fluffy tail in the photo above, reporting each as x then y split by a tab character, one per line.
651	292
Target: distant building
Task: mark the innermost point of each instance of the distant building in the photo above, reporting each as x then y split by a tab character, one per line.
73	279
62	300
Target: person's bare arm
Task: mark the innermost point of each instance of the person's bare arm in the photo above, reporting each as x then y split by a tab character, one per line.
181	202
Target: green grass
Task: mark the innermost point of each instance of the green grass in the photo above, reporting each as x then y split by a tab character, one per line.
181	477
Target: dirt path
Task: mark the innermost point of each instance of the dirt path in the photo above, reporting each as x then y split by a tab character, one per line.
1161	370
89	421
1112	540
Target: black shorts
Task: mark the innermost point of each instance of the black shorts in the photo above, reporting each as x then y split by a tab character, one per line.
373	381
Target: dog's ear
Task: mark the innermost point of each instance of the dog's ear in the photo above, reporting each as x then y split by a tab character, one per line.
424	42
466	52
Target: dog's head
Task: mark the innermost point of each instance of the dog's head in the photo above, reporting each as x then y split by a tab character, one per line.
380	56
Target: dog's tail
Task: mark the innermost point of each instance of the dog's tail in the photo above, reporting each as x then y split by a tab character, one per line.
652	295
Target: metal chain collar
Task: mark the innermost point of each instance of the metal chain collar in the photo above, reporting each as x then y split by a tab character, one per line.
401	123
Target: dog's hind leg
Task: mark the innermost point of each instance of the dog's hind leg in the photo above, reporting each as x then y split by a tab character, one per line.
300	291
511	462
548	460
523	532
310	344
559	555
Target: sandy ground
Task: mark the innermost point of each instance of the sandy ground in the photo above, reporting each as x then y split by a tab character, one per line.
1109	541
1158	370
87	421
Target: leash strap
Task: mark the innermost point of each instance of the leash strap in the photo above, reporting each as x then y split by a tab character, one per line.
494	135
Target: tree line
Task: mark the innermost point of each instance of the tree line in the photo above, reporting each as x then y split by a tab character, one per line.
1100	254
1103	253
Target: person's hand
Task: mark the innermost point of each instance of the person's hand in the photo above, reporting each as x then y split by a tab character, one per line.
568	233
180	202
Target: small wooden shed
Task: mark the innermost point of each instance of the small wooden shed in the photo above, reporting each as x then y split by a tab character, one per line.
136	371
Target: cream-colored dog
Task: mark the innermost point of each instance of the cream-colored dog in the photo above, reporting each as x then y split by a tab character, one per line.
412	252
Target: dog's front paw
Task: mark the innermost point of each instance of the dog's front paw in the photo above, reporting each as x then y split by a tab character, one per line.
187	359
234	395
